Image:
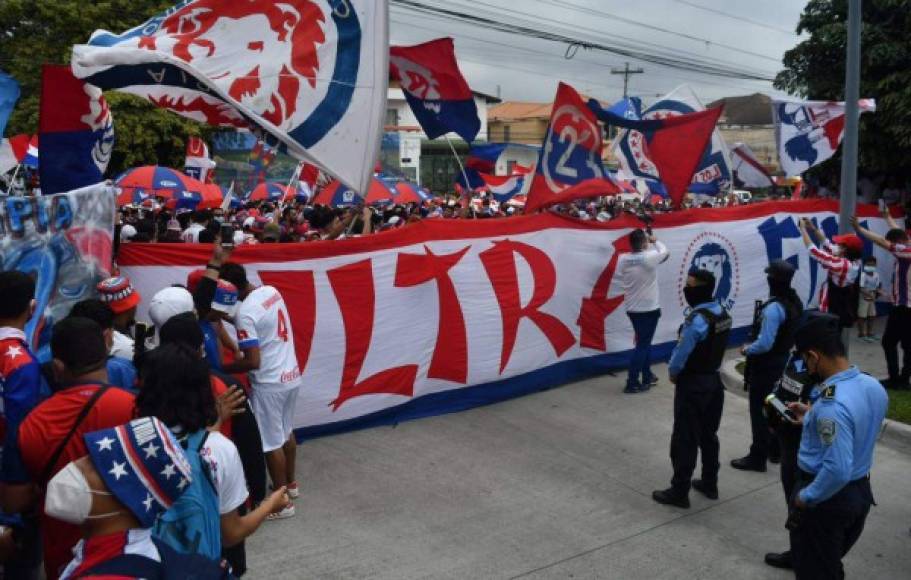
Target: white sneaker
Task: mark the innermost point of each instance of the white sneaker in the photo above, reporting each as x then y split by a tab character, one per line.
286	513
293	490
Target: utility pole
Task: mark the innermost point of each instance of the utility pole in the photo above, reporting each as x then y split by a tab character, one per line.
626	71
848	204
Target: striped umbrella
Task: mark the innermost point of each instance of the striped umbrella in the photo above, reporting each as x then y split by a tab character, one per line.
337	194
156	181
269	191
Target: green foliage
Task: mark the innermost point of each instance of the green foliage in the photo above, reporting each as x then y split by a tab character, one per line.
900	406
35	32
815	69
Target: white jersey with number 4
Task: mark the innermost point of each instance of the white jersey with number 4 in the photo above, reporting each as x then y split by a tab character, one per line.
262	321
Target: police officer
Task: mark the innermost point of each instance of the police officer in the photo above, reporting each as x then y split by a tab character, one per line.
767	357
699	393
795	385
832	497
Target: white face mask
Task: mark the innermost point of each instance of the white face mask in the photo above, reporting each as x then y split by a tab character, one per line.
69	497
869	269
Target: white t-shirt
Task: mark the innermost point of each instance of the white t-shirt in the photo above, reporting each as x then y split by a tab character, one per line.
262	321
121	345
221	455
191	234
639	278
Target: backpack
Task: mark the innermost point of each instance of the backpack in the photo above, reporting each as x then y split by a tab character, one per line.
193	524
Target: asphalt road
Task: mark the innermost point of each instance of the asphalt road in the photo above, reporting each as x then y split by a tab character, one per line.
553	485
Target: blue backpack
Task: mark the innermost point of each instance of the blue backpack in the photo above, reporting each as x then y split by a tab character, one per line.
193	524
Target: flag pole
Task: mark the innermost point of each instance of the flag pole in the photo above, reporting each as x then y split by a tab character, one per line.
459	161
12	180
848	204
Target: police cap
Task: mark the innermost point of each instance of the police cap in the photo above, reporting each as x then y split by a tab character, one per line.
704	277
816	329
780	270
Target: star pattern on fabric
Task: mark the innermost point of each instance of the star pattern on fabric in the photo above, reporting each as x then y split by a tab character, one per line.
168	471
148	502
105	444
118	470
183	483
151	450
14	351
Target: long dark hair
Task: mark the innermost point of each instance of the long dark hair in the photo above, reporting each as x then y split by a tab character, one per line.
176	388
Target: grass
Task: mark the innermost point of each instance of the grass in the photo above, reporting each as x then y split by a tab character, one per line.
899	406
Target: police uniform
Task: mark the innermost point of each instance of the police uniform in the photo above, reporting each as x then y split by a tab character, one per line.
767	357
795	386
699	395
834	461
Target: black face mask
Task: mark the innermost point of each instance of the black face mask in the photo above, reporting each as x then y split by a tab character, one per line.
696	295
778	288
812	377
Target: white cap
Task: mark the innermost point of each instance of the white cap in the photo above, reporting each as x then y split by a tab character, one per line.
249	222
239	237
127	232
583	215
394	221
603	217
168	303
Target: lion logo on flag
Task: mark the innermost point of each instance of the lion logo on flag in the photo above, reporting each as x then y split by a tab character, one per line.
280	57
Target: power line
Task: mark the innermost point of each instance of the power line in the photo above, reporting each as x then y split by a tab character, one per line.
703	40
736	17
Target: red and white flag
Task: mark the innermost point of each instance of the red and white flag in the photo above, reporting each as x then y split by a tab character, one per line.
198	164
13	151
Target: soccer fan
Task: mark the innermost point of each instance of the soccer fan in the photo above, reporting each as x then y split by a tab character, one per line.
121	372
22	387
116	507
52	434
119	294
266	339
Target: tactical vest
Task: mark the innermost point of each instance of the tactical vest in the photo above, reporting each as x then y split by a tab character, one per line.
794	385
784	340
709	352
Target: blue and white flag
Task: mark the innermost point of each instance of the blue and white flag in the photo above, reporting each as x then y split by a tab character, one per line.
9	94
312	73
809	132
714	170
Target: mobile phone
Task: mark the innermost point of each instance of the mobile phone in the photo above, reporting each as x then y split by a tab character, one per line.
227	236
782	409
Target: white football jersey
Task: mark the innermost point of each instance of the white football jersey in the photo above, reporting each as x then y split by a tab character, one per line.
262	321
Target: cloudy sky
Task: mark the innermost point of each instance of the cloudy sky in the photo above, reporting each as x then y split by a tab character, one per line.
740	35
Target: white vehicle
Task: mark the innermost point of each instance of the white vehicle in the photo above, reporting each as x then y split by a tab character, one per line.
743	195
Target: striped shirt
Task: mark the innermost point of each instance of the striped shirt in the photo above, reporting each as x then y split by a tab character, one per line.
901	291
842	271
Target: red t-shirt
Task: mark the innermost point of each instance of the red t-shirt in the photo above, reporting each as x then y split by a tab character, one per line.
43	431
219	388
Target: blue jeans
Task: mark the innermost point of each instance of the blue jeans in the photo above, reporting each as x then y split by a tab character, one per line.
644	324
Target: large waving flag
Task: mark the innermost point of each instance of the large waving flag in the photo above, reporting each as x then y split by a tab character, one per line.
312	73
748	169
76	132
809	132
9	94
571	155
714	169
673	144
435	89
13	151
503	188
198	164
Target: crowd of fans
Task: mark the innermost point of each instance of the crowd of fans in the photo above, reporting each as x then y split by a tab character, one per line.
135	450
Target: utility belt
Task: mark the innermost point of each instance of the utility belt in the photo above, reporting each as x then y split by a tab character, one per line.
805	477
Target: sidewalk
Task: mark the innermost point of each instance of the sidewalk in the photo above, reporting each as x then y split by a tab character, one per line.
553	485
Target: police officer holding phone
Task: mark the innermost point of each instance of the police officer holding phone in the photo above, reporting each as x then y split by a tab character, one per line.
699	393
832	497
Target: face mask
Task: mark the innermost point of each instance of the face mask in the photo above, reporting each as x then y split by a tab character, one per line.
69	497
696	295
837	251
219	219
870	269
813	376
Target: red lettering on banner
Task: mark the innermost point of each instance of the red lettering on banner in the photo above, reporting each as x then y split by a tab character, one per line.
449	362
298	289
500	264
354	291
597	307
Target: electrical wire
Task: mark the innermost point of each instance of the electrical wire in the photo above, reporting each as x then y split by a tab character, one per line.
736	17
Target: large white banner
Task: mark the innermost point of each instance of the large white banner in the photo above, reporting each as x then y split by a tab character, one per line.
444	315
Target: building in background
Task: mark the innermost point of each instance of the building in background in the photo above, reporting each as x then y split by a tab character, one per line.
748	119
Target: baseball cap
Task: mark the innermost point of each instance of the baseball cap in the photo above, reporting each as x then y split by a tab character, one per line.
142	465
169	302
118	293
849	241
225	300
174	225
127	232
780	270
603	217
194	278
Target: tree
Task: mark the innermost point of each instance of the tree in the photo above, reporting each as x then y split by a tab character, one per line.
44	31
815	69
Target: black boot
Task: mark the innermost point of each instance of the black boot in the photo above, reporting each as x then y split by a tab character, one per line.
709	491
782	560
749	463
671	496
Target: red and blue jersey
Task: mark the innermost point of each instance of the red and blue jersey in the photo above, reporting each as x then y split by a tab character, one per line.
22	387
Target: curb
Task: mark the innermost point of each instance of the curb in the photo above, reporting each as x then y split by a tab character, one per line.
893	433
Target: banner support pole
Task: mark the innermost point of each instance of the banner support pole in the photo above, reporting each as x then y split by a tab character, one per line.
458	160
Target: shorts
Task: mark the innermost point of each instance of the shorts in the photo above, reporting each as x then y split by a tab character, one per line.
866	309
274	412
